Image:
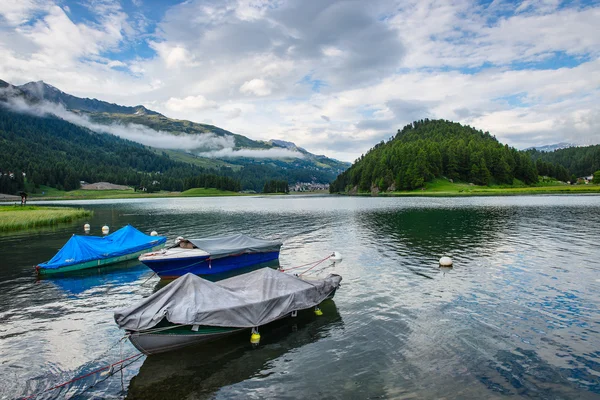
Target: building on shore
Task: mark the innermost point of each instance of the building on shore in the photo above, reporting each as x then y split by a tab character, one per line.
309	187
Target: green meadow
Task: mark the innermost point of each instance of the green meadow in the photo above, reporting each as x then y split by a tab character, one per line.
17	217
443	187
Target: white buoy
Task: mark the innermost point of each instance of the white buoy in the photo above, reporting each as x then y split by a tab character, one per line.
153	233
336	257
105	230
445	262
86	227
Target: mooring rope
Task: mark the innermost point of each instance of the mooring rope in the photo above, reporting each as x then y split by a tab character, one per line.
314	264
109	367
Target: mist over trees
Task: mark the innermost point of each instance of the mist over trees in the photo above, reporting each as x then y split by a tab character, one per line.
428	149
58	154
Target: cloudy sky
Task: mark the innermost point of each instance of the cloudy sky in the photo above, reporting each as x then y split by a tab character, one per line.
335	77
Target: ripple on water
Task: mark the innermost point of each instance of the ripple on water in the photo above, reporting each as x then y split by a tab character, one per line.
517	316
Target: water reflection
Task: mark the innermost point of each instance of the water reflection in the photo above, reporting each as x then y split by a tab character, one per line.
438	231
523	372
76	282
517	316
200	371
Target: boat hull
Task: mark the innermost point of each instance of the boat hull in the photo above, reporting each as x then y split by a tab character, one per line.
204	265
183	336
97	263
154	343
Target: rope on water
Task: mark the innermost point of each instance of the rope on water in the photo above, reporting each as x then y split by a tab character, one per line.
151	276
314	264
110	367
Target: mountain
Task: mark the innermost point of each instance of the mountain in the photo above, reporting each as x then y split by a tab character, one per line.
286	145
43	91
429	149
552	147
108	113
56	153
253	168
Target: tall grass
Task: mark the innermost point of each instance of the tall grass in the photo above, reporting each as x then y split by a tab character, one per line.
14	218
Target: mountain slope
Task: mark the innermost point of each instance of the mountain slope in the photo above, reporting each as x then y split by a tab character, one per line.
322	169
59	154
43	91
95	118
428	149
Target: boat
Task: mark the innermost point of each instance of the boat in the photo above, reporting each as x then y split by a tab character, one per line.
211	255
83	252
221	363
193	310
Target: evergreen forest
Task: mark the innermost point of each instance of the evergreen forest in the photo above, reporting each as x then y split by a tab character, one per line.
52	152
275	186
49	151
429	149
580	161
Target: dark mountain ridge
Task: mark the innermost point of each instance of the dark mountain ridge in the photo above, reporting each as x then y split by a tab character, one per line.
43	91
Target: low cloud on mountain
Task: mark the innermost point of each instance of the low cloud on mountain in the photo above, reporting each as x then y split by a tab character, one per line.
209	144
134	132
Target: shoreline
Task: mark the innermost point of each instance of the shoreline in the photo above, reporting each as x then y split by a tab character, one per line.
458	191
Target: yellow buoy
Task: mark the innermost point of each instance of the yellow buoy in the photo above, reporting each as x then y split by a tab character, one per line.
255	337
318	312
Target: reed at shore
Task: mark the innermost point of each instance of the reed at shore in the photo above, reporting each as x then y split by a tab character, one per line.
14	218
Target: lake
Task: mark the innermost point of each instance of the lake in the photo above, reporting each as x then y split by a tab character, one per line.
518	315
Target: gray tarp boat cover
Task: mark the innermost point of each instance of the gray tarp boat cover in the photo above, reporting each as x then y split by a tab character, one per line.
243	301
222	246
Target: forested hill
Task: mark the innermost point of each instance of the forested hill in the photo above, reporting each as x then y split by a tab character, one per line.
53	152
253	162
580	161
427	149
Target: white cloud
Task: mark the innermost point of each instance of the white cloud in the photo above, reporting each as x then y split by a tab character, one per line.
135	132
234	113
195	103
174	56
17	12
258	87
268	153
526	71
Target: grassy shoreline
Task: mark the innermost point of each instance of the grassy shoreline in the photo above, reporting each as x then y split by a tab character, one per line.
438	187
14	218
80	194
443	188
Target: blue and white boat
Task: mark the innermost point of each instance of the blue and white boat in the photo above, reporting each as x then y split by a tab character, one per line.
212	255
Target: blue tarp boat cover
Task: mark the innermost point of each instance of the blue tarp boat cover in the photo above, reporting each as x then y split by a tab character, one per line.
80	249
223	246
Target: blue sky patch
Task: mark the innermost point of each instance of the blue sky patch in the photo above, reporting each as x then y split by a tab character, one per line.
513	100
315	84
556	60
